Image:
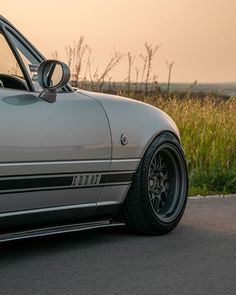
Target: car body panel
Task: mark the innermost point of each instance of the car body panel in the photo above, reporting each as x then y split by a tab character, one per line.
139	121
35	128
38	138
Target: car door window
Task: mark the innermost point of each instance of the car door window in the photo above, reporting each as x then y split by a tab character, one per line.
11	75
30	62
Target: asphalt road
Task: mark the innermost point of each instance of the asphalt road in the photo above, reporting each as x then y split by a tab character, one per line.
199	257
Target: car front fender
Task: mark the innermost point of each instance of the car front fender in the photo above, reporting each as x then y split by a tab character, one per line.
140	122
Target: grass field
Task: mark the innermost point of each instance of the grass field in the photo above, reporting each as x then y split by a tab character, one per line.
208	130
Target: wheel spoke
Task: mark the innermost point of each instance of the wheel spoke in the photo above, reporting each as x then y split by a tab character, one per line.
158	183
165	177
156	203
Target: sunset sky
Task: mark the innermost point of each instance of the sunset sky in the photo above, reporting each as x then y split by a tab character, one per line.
200	35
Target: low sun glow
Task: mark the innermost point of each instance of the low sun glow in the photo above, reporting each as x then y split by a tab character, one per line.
198	36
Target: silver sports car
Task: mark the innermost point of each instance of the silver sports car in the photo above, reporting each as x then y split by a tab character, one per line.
72	160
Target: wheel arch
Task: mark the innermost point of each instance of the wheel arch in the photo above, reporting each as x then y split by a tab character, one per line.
156	135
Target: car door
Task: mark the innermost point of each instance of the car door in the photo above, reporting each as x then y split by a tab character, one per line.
51	155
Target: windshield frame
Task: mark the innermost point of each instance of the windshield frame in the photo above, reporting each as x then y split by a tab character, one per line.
6	27
16	55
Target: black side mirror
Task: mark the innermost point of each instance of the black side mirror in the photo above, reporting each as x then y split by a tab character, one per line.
52	75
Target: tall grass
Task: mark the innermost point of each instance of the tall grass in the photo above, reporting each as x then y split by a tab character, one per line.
208	131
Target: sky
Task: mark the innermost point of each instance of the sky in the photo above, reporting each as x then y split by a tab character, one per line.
198	35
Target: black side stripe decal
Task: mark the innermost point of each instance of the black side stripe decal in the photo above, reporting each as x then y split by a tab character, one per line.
28	183
113	178
43	183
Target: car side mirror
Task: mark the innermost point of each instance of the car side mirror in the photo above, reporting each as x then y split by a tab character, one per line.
52	75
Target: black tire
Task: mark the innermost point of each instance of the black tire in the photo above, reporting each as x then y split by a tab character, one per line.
144	211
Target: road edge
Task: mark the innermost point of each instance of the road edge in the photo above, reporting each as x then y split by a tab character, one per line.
199	197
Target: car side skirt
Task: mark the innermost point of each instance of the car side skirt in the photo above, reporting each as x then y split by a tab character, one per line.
55	230
44	221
